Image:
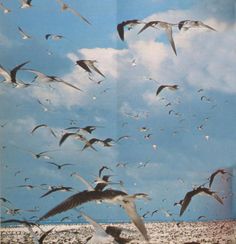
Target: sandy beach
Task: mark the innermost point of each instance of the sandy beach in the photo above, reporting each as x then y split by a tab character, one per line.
212	232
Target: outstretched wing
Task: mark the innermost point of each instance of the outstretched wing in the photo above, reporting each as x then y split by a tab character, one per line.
170	38
130	209
185	202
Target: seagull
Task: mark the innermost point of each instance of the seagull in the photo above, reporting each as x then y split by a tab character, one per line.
219	171
23	34
49	79
4	200
60	188
26	3
74	134
162	25
171	87
102	182
187	24
10	77
5	10
73	11
100	236
43	125
109	196
194	192
88	65
59	166
129	23
54	37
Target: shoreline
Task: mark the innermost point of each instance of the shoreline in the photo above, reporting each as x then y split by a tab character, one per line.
220	231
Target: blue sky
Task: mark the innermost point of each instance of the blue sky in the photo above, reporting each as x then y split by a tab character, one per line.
185	156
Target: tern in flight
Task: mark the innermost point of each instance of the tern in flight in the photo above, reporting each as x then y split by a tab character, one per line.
43	125
50	79
54	37
54	189
5	10
129	23
187	24
88	65
59	166
66	7
24	35
194	192
213	175
109	196
10	77
76	135
26	4
171	87
162	25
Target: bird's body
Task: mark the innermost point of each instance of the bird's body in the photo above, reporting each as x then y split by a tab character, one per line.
198	190
23	34
53	37
88	65
187	24
162	25
129	23
26	4
171	87
109	196
51	79
4	9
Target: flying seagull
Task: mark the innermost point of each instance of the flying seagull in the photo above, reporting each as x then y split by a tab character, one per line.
88	65
54	37
23	34
59	166
26	3
109	196
129	23
194	192
100	236
43	125
5	10
213	175
74	134
187	24
73	11
171	87
10	77
49	79
54	189
4	200
162	25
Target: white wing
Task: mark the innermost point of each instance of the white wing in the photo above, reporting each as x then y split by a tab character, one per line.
88	185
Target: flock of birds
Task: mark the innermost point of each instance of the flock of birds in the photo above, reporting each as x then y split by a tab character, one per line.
99	193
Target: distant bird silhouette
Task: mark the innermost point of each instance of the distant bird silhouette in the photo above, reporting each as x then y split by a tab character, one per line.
109	196
162	25
213	175
187	24
66	7
54	189
23	34
26	4
76	135
43	125
129	23
51	79
54	37
105	143
88	65
59	166
194	192
101	170
4	200
10	77
171	87
5	10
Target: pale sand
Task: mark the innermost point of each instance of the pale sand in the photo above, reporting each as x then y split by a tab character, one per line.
214	232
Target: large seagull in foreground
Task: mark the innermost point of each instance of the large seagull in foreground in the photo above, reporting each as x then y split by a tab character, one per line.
108	196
